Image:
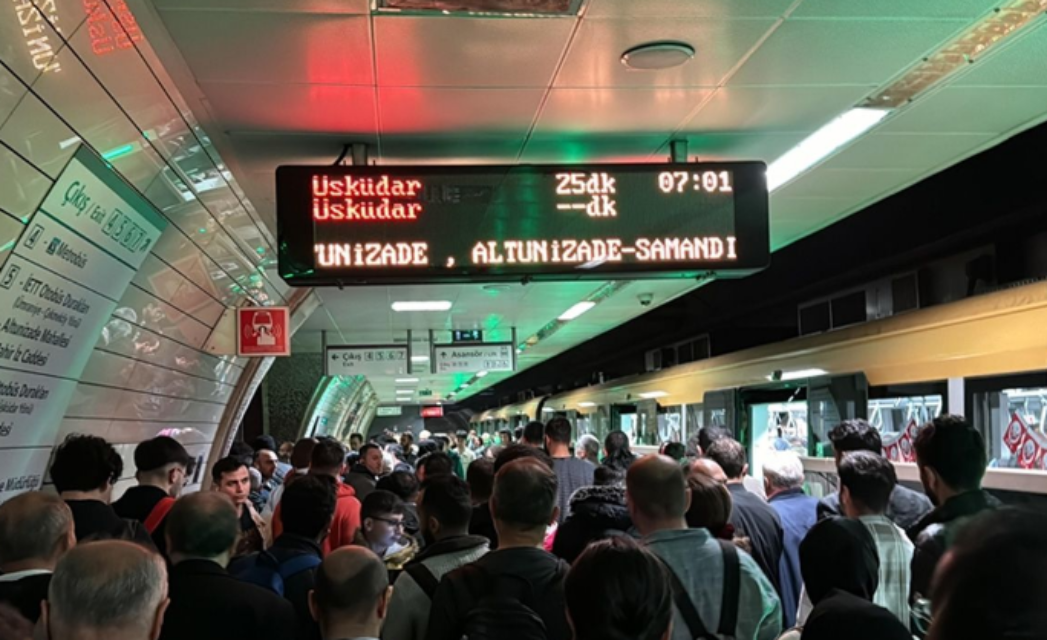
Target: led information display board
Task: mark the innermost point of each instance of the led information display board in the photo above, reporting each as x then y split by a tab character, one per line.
360	225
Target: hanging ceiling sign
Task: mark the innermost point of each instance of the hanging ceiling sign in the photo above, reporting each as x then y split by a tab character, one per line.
458	358
365	225
370	360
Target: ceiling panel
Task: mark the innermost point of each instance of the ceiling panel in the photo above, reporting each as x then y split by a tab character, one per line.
906	151
894	8
594	59
454	52
463	148
408	110
589	147
737	145
626	111
1009	65
861	52
319	108
360	7
971	110
857	184
236	46
719	9
775	108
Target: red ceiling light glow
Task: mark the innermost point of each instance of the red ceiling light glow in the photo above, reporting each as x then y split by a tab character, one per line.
519	8
111	27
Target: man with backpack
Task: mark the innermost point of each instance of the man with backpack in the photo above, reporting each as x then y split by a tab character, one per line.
516	592
161	468
444	510
288	568
717	592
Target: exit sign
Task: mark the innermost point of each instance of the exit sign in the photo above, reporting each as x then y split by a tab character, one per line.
469	335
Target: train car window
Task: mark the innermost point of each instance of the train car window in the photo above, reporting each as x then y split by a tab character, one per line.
671	425
1011	413
898	418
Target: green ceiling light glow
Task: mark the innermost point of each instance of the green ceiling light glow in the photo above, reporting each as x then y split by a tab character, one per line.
119	152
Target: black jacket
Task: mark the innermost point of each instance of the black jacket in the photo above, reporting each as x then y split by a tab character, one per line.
209	604
137	503
361	480
296	587
905	508
542	570
934	533
593	512
482	524
26	593
96	520
755	519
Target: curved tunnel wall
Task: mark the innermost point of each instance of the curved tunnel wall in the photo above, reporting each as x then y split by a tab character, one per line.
159	364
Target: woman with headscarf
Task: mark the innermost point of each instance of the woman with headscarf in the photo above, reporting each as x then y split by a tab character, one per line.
840	570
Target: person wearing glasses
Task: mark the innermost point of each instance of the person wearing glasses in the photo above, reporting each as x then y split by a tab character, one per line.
162	470
382	531
84	470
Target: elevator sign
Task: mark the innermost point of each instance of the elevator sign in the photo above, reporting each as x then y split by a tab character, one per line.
490	357
263	331
361	225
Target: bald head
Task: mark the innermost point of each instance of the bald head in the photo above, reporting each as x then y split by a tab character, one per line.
202	525
656	489
351	585
708	468
34	526
112	586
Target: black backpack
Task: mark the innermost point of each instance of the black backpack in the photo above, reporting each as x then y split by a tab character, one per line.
506	610
732	582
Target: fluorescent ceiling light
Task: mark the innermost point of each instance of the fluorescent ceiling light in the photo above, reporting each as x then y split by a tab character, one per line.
577	310
419	358
653	394
481	374
821	143
586	404
800	374
406	380
404	392
422	305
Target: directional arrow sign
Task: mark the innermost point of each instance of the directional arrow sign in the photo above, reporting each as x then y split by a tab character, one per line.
473	358
369	360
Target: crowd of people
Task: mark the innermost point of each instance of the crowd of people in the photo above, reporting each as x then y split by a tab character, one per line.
532	536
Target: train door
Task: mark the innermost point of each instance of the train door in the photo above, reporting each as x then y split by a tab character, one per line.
625	418
773	418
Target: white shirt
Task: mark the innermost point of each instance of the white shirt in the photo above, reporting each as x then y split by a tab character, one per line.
18	575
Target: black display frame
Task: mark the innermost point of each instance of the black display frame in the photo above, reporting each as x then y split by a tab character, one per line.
296	235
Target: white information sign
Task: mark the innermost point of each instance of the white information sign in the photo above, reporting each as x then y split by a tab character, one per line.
389	412
58	287
473	358
370	360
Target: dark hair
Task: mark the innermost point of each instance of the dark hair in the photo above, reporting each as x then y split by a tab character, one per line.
675	450
242	451
158	452
711	504
227	464
85	463
507	432
730	455
356	436
658	488
461	434
559	430
202	524
618	590
518	450
869	478
402	483
370	446
302	453
855	435
954	449
983	592
518	433
619	456
534	433
524	494
264	441
446	498
708	435
480	476
435	464
606	476
381	503
408	434
428	446
328	454
308	505
442	440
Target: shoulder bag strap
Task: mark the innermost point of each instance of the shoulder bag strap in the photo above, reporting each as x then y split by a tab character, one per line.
423	577
157	515
683	602
732	583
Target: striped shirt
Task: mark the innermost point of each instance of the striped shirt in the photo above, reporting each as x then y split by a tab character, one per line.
895	551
